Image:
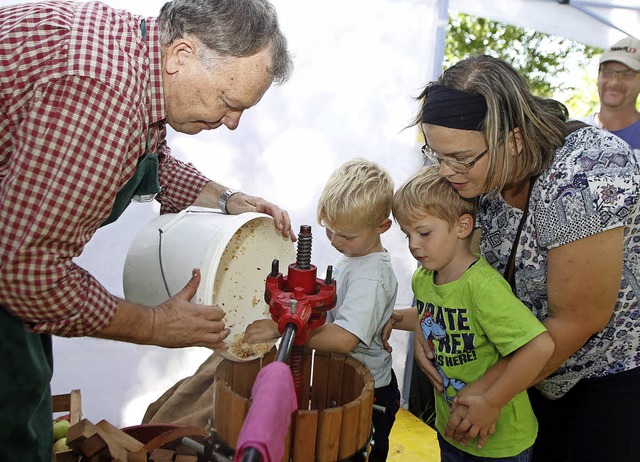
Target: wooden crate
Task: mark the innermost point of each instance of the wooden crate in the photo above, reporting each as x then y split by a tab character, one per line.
68	403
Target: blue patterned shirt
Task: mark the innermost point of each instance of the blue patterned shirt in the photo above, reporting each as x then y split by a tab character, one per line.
591	186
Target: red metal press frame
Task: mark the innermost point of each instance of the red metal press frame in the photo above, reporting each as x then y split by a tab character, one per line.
299	303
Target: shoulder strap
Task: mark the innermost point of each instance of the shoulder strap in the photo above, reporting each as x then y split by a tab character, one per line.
509	270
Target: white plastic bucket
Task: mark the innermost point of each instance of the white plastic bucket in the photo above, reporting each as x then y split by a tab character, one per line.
234	254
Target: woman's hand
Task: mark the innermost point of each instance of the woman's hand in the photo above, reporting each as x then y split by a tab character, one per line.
455	429
473	416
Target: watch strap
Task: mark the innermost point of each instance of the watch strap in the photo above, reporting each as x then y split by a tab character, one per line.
224	199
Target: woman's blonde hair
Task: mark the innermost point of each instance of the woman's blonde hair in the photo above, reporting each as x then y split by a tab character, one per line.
428	193
358	193
510	105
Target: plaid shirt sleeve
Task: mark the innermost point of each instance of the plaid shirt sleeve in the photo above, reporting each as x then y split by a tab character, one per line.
70	153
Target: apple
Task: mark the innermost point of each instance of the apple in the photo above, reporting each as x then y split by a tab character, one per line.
60	428
61	445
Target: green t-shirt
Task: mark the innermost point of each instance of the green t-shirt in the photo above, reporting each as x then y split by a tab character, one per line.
471	323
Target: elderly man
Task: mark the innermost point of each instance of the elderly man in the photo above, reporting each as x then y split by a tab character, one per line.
618	89
86	92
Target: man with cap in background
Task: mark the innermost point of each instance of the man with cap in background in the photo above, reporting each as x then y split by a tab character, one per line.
618	89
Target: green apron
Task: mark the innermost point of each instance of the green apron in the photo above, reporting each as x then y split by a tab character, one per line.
26	419
141	187
26	359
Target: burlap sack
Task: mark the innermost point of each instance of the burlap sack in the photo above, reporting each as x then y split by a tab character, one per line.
189	401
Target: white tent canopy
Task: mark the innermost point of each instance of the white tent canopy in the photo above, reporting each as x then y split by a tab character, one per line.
358	65
598	23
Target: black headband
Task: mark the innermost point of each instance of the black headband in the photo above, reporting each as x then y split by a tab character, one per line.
448	107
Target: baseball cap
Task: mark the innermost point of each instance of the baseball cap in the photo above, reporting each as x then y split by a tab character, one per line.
625	51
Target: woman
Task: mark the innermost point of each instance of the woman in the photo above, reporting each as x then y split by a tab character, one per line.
568	199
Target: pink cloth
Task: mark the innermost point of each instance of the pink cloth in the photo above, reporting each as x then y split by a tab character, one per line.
273	401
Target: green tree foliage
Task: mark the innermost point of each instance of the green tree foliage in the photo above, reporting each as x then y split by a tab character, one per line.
554	66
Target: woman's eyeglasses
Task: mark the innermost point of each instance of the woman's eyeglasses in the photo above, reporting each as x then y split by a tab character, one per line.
457	166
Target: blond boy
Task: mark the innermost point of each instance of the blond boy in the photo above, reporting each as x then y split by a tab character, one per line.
469	318
354	208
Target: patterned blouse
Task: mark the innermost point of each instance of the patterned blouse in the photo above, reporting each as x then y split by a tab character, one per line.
592	186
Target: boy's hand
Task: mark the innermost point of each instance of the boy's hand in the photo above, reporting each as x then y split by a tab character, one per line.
261	331
424	356
388	328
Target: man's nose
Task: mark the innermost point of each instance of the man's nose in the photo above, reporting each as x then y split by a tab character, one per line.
231	119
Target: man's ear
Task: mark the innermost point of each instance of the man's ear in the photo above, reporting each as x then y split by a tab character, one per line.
177	54
465	225
384	226
515	142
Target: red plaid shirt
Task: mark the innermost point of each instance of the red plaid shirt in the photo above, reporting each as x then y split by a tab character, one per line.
78	88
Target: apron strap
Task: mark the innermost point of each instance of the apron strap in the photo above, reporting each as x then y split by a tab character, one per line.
144	185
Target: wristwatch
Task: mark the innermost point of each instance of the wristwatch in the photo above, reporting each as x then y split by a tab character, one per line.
224	198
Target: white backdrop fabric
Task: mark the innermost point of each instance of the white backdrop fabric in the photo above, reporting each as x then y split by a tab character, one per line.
358	66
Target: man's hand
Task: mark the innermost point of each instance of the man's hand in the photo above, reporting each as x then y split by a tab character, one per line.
175	323
178	322
240	202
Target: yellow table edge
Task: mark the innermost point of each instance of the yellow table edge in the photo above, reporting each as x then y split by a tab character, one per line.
412	440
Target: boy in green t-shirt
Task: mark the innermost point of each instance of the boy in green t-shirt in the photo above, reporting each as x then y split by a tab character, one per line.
469	318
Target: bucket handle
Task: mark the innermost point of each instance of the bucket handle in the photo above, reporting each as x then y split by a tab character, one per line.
166	228
161	231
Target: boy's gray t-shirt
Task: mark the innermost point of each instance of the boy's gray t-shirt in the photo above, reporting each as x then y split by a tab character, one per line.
366	289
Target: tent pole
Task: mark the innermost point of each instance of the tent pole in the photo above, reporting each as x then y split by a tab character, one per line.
438	60
441	37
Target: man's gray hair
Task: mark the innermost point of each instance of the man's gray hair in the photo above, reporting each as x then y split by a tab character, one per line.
229	28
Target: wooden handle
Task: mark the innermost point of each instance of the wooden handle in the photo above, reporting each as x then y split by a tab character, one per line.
172	435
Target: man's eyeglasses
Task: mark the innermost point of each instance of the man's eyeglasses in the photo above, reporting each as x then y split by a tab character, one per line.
623	75
457	166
